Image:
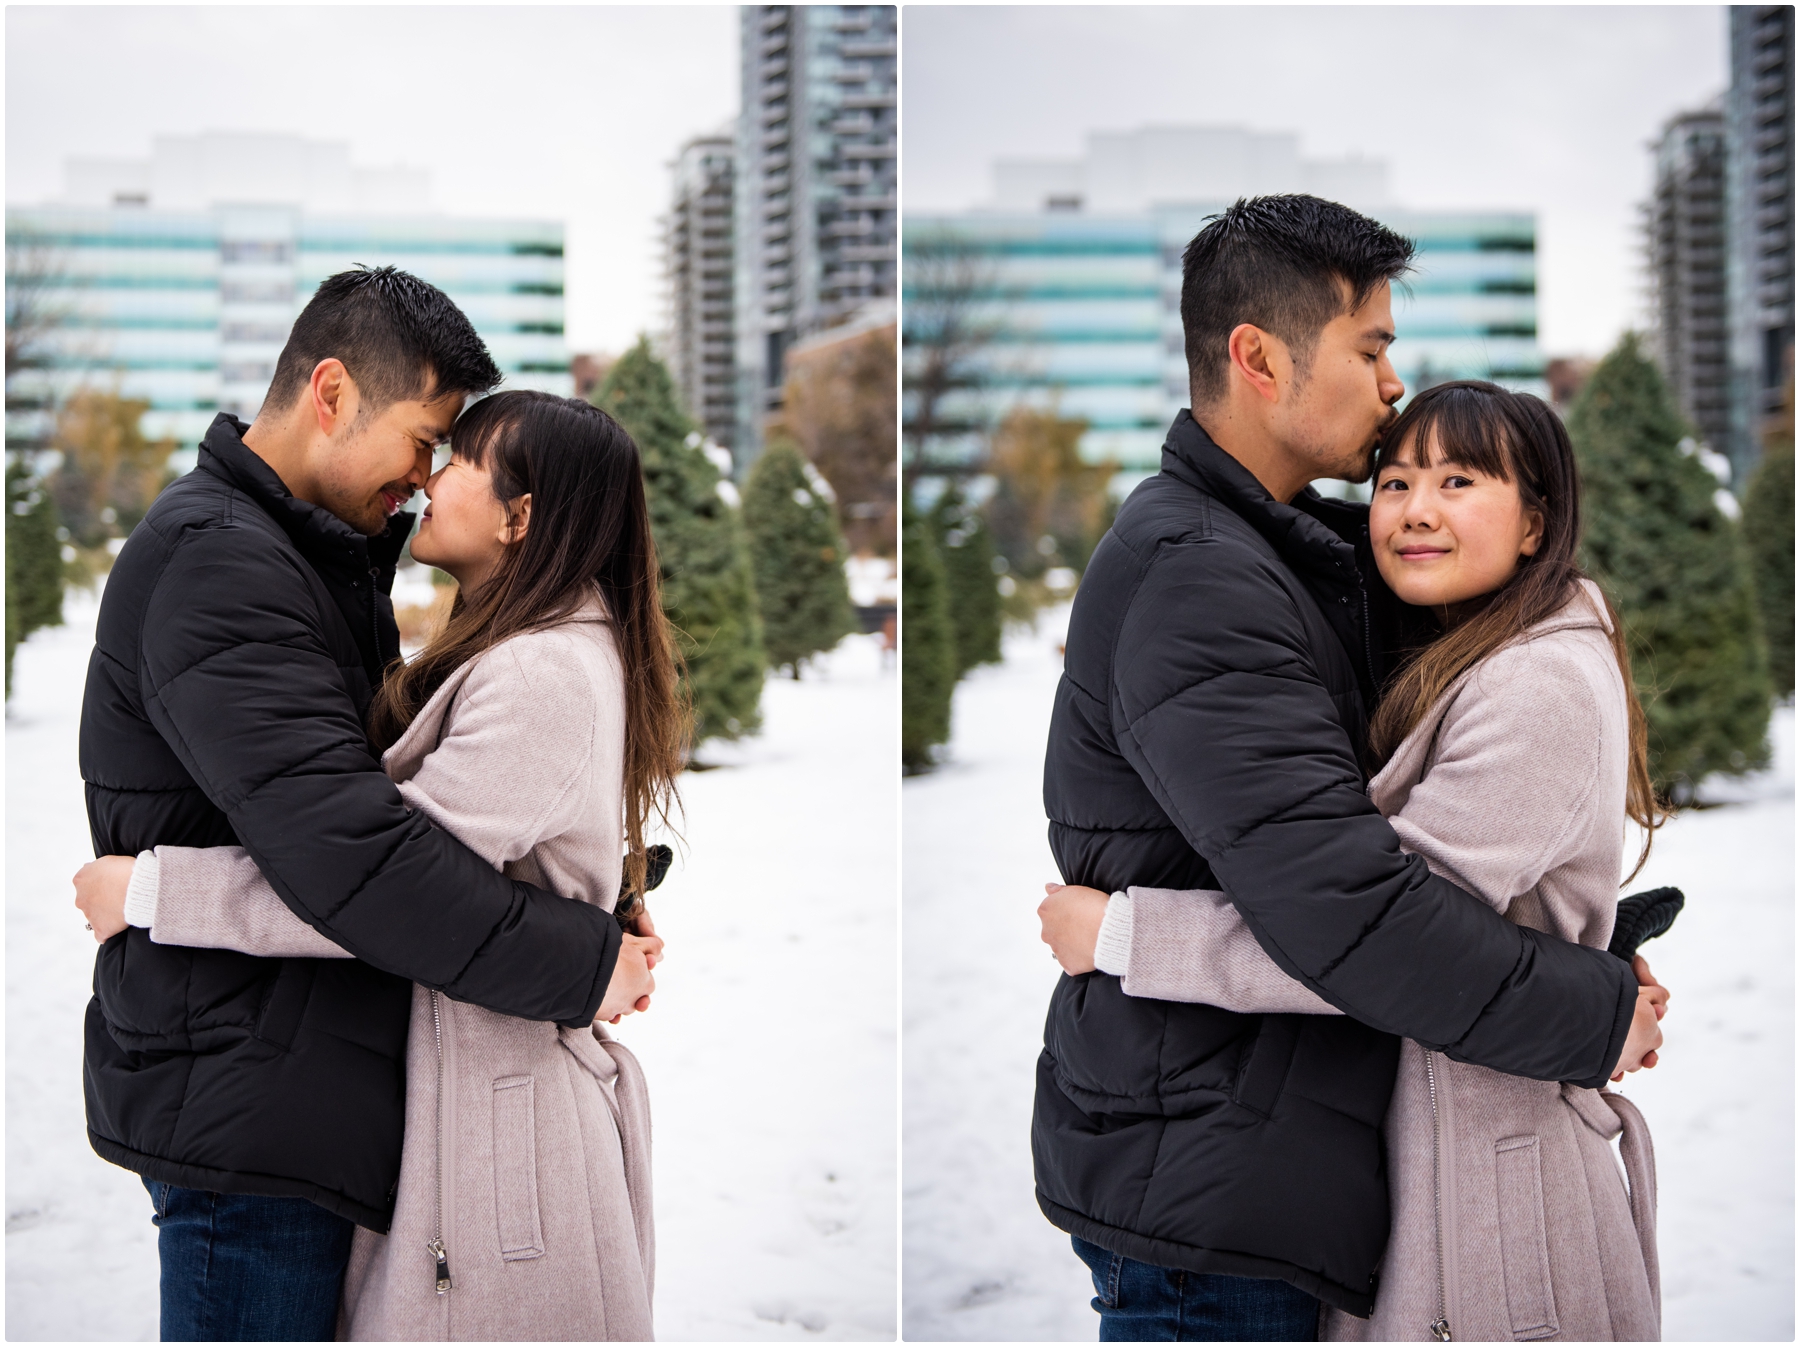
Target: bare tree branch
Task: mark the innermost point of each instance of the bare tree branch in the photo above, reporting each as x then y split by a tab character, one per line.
951	318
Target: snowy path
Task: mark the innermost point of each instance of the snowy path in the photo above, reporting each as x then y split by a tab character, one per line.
981	1263
770	1052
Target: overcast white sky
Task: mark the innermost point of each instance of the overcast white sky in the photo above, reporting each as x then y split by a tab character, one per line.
1542	108
558	113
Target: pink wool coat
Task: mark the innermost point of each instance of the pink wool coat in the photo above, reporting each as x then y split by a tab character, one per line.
1511	1218
545	1137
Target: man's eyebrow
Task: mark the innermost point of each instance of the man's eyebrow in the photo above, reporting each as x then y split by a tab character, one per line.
1380	334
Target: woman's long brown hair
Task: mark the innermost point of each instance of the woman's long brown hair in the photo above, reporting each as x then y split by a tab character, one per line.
1517	438
589	530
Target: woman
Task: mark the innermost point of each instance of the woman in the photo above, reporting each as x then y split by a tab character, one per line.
543	727
1512	751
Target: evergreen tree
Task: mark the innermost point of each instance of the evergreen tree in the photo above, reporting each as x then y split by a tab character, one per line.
1769	532
707	588
1675	569
34	566
967	547
798	555
927	644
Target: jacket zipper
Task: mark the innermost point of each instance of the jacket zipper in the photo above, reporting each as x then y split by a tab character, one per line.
436	1247
1368	642
1440	1327
375	617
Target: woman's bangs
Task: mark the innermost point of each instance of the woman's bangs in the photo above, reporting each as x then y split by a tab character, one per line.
475	432
1460	428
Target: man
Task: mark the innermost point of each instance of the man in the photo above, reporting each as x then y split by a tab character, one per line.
1222	1174
243	629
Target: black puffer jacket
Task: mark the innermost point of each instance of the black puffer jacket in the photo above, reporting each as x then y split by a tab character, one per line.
239	639
1206	734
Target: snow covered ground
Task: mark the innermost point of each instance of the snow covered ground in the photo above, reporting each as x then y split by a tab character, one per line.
979	1260
770	1049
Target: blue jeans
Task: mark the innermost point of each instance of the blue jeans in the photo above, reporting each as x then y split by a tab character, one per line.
1139	1302
247	1269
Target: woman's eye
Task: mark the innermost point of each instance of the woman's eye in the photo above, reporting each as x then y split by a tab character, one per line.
1392	484
1459	481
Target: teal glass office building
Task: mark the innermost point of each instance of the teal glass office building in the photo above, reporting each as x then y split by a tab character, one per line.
188	310
1082	313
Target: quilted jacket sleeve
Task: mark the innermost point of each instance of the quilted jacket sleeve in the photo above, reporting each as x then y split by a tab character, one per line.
1229	726
237	678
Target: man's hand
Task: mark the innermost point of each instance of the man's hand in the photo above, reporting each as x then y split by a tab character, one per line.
642	925
1655	993
100	894
631	983
1645	1036
1647	981
1072	915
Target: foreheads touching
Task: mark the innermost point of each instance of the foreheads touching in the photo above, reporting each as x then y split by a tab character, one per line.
377	368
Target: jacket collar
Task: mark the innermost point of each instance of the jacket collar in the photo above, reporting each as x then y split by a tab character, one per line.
323	539
1303	541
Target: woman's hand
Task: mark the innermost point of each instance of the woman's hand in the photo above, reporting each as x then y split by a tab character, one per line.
631	983
100	894
1645	1036
1072	915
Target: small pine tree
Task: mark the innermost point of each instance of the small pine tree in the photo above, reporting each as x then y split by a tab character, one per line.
927	645
798	554
1676	570
34	565
1769	534
707	588
967	547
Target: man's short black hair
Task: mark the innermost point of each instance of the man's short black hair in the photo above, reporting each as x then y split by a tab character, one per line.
399	337
1282	263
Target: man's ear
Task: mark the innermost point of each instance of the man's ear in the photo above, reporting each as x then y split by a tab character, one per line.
334	395
1259	358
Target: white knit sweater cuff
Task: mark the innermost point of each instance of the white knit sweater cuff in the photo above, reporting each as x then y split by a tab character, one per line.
140	894
1112	951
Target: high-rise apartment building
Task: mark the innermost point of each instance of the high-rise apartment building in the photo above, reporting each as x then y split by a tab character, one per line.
816	199
1685	239
702	339
1069	289
1759	129
176	279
